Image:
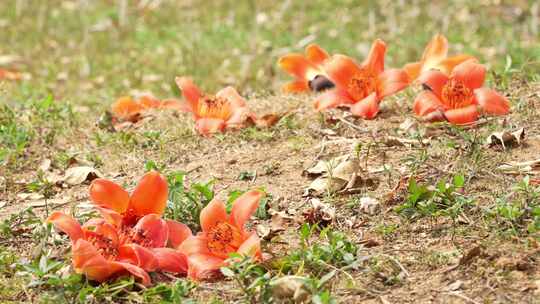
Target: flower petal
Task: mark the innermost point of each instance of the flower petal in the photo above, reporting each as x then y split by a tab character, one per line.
316	54
413	69
340	69
138	256
296	65
209	126
193	245
213	214
375	60
297	86
66	224
435	80
125	108
471	73
111	216
191	92
367	108
149	102
171	260
239	118
102	228
435	52
150	195
154	229
425	103
392	81
492	102
134	270
244	207
108	194
447	65
203	266
229	93
251	247
331	99
175	104
178	233
87	260
462	116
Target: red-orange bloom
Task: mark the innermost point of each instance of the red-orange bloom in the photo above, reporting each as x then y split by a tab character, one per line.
212	114
460	98
10	75
362	87
221	235
127	108
435	56
307	69
101	250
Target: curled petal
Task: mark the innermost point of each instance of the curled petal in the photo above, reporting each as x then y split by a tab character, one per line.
191	92
447	65
178	233
174	104
462	116
134	270
413	70
251	247
203	266
316	54
154	229
193	245
108	194
295	64
138	256
171	260
331	99
209	126
435	80
244	207
425	103
375	59
392	81
111	216
492	102
471	73
367	108
436	50
150	195
149	102
125	108
297	86
213	214
229	93
239	117
102	228
88	261
341	69
66	224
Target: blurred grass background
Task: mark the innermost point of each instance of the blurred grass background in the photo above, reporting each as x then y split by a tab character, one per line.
93	51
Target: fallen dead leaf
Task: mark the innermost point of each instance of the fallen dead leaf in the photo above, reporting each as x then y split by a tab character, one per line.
526	167
290	287
506	138
369	205
78	175
319	213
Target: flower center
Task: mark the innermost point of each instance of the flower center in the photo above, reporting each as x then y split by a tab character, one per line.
104	245
455	94
214	107
129	218
223	239
362	85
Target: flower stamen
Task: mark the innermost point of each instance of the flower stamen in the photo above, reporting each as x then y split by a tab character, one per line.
455	94
362	84
214	107
223	239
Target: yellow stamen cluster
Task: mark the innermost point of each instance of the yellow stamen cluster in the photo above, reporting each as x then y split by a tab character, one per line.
455	94
214	107
362	85
223	238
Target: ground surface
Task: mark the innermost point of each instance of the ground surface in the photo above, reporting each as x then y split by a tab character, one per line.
477	243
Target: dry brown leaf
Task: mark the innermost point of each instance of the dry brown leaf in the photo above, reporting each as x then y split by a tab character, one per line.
319	212
526	167
78	175
369	205
323	184
290	287
506	138
268	120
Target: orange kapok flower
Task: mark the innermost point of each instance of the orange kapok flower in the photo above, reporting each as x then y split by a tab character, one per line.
10	75
361	86
127	108
214	113
459	98
307	69
221	235
435	56
101	250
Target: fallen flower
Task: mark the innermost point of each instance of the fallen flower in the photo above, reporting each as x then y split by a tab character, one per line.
460	97
362	87
435	56
307	70
100	250
222	234
10	75
212	114
127	108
